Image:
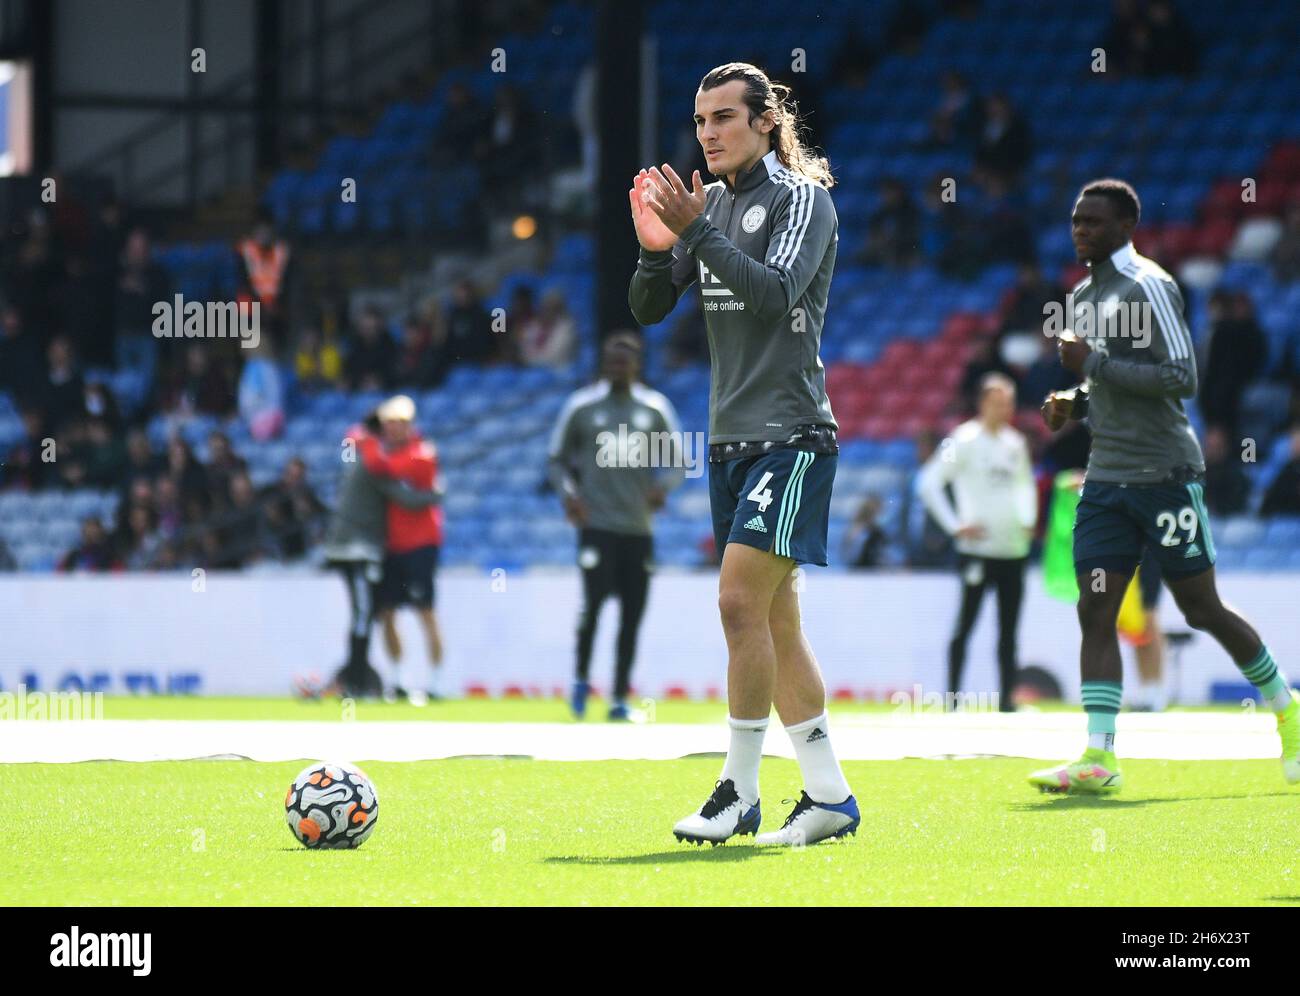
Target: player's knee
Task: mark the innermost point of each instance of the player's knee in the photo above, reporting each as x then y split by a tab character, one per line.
1200	615
739	608
1095	613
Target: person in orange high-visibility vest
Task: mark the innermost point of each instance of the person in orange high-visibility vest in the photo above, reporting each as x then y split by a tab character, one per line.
264	261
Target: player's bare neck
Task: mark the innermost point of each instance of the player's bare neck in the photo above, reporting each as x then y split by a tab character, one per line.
731	177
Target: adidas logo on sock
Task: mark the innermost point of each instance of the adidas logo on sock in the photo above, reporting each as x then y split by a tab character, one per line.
756	524
815	735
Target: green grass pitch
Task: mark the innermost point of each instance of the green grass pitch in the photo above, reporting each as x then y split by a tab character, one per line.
481	831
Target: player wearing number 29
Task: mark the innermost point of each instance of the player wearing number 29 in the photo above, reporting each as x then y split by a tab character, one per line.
1145	476
761	240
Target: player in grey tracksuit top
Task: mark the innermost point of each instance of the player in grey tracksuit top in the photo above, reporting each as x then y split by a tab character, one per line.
763	252
1144	485
761	241
616	451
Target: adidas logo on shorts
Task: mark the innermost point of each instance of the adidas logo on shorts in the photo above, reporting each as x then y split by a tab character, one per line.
756	524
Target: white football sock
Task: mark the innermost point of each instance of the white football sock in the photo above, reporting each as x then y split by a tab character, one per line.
743	756
822	778
1101	741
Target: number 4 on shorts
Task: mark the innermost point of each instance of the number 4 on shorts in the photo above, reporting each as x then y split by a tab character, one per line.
761	493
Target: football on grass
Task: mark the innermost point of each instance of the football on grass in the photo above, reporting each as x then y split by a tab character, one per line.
332	806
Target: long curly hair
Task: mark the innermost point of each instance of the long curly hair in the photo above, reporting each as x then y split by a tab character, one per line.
763	95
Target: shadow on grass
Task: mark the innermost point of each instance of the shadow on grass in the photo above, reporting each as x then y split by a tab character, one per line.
1051	803
687	853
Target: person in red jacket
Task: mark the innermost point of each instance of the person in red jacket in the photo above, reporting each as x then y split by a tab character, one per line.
414	540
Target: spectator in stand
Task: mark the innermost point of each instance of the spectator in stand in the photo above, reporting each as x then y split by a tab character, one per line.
105	454
70	449
223	465
864	540
293	512
167	506
141	542
1156	41
202	387
33	277
1285	256
141	284
463	124
1003	148
1235	355
415	359
142	463
100	403
317	364
1172	47
30	463
189	475
957	121
520	312
64	394
261	392
22	370
241	530
1227	489
265	264
467	331
1124	34
93	553
1283	494
372	356
894	229
550	338
507	148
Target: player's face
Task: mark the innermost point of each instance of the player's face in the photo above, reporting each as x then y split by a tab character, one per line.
722	126
620	367
997	405
396	431
1097	228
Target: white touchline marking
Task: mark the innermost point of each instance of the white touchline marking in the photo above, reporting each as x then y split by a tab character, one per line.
856	737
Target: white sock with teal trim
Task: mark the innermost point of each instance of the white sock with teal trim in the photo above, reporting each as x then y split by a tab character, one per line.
1269	679
822	778
743	757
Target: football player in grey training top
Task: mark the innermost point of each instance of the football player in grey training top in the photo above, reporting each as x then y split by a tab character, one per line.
761	240
615	454
1144	491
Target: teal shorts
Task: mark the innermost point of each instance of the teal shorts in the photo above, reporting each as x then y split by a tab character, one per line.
1114	523
778	501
